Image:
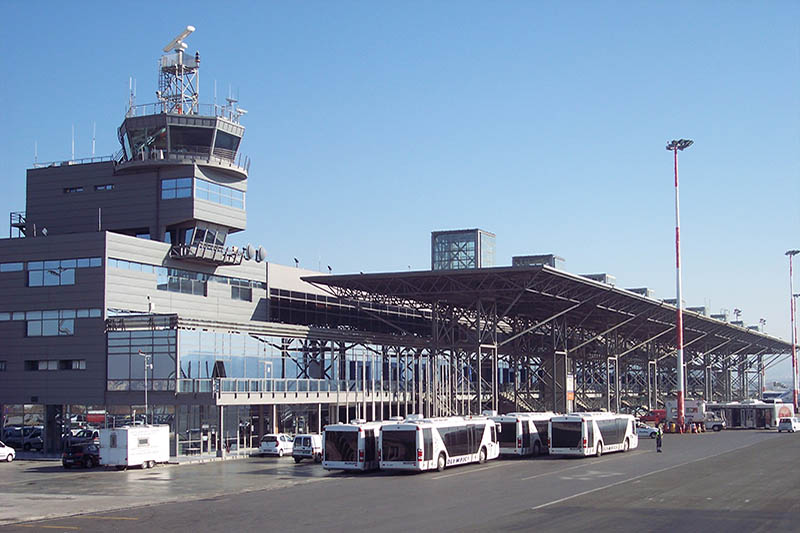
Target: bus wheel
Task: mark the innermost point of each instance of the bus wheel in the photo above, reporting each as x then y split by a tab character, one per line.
537	449
441	462
482	456
626	446
599	452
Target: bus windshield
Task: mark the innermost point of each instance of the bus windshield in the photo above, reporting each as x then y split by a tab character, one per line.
399	445
508	433
566	434
341	445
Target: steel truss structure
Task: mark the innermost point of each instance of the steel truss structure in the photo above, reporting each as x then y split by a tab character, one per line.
535	338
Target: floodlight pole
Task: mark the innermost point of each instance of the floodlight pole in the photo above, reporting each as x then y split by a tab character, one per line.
674	146
792	253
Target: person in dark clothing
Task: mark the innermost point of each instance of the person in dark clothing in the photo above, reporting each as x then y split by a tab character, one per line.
658	439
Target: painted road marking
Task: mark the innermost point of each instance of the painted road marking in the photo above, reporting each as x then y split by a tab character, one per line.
90	517
51	527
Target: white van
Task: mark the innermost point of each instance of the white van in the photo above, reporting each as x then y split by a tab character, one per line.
307	446
790	424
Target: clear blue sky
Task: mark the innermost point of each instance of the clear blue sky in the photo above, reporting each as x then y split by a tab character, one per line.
371	124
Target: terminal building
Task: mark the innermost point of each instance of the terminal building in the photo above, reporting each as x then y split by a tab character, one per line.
124	302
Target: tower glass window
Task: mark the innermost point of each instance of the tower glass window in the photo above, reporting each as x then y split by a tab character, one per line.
176	188
460	249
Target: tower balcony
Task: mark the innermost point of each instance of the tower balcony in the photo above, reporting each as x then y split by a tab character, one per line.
209	254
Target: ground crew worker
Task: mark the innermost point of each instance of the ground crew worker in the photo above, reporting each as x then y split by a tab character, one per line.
659	436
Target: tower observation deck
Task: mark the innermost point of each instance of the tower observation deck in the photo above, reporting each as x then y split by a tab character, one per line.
177	127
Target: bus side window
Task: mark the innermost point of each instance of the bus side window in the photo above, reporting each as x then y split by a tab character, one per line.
494	432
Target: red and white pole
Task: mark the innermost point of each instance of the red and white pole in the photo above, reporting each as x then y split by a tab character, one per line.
674	146
792	253
679	302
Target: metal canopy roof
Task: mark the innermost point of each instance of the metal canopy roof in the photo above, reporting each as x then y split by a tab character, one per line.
539	293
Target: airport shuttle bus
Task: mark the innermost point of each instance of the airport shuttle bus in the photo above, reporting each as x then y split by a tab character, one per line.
351	446
752	414
419	444
524	433
592	433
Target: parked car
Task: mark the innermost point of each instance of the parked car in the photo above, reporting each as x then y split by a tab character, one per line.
25	437
643	430
278	444
7	453
85	435
307	446
790	424
656	416
86	454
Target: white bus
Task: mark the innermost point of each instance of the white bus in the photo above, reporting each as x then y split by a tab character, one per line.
592	433
419	444
351	446
524	433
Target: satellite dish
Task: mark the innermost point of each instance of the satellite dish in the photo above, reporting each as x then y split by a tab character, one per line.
261	254
177	42
248	252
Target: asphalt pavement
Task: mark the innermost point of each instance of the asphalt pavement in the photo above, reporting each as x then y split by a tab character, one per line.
738	480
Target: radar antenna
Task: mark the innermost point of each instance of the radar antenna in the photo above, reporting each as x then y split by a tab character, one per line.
179	77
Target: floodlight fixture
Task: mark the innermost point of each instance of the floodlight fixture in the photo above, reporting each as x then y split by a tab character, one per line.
680	144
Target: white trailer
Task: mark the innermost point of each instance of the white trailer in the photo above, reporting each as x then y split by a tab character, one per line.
126	446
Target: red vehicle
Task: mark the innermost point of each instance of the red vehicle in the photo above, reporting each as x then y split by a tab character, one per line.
656	416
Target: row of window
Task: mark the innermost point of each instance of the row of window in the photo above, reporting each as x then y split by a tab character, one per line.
103	187
56	364
201	276
57	264
58	272
219	194
203	190
50	314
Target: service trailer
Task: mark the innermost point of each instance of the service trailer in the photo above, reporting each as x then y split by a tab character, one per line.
127	446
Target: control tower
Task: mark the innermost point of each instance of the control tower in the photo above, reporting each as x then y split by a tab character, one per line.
178	178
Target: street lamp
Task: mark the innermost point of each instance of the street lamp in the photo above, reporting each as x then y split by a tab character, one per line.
674	146
792	253
147	366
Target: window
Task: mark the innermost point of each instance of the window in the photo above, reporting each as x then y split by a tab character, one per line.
10	267
104	187
112	441
144	441
72	364
219	194
57	272
2	366
35	366
51	323
240	290
69	190
176	188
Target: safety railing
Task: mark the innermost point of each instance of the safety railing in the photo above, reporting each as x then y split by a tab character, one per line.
281	385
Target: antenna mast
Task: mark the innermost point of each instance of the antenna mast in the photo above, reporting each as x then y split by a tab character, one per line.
179	78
